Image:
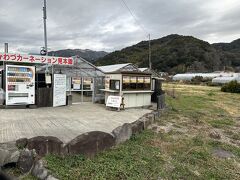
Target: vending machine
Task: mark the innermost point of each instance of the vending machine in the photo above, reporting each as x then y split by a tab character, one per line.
20	85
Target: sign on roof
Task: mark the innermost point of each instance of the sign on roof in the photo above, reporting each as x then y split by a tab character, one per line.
22	58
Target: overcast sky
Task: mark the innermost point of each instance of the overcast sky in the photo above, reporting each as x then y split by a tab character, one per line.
107	24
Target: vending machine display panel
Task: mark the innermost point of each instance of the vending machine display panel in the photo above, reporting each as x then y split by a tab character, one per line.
20	85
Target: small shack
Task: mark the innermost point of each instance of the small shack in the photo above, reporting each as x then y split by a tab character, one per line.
127	81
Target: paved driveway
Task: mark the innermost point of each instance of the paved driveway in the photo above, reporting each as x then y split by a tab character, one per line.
63	122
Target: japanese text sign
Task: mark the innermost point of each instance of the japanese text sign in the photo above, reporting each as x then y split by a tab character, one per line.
114	101
22	58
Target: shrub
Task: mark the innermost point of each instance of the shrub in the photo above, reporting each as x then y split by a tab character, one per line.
197	80
232	87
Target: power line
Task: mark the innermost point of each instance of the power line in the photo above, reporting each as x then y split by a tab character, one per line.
134	17
143	28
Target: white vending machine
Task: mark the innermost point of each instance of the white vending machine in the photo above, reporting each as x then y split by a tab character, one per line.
20	85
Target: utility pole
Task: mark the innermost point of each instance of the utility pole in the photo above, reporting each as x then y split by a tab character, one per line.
45	25
5	51
5	47
150	53
45	30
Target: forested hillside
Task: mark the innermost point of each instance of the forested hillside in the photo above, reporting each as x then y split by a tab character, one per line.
179	54
86	54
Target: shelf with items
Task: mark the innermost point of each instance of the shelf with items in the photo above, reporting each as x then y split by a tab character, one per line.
14	80
19	69
19	77
20	72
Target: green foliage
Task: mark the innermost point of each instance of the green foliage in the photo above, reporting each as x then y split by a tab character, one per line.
133	160
89	55
222	123
173	54
197	80
232	87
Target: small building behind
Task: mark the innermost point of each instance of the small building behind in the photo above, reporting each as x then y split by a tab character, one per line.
129	82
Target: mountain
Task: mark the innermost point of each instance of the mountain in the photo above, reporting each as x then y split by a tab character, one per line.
229	47
87	54
178	54
230	53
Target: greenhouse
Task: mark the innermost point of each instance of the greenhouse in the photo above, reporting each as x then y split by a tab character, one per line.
84	80
224	80
190	76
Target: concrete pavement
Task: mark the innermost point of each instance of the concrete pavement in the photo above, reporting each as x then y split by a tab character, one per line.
64	123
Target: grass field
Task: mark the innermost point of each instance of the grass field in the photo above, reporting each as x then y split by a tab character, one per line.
179	146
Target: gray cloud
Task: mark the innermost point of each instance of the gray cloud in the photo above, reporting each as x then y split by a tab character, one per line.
107	25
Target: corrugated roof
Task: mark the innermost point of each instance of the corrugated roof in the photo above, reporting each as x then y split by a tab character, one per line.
143	69
112	68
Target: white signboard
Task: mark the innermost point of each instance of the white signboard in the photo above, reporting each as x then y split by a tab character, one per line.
24	58
59	90
114	101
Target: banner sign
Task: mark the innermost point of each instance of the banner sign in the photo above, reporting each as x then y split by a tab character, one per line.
59	90
114	101
22	58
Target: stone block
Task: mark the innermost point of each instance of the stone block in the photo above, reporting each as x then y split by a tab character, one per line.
146	121
39	170
45	145
38	143
90	143
22	143
13	158
3	155
122	133
137	127
156	115
26	160
150	116
9	153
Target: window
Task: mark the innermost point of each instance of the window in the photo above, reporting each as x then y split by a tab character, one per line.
87	83
126	82
76	83
147	83
136	83
114	84
133	82
140	83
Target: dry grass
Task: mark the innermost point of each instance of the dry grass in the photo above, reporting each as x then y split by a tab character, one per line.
184	152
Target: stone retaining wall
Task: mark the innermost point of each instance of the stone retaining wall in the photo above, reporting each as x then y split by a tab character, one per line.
88	144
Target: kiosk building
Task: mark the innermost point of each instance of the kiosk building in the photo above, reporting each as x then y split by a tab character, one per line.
129	82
